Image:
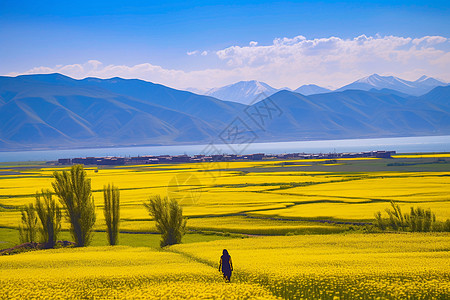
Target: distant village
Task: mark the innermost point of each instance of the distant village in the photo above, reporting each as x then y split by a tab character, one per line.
164	159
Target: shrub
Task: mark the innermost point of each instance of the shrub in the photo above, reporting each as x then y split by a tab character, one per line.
441	226
50	216
111	210
396	219
168	216
446	226
74	191
380	222
418	220
28	228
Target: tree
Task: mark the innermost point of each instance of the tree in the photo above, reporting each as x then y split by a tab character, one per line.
396	219
50	216
74	191
420	220
28	228
168	216
379	221
111	210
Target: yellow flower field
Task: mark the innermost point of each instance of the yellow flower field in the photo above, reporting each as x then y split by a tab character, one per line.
116	272
354	266
375	266
432	155
308	200
275	189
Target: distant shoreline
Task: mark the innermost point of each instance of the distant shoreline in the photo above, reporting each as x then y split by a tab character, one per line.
423	144
195	144
215	158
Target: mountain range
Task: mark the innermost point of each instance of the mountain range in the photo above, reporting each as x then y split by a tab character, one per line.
247	92
416	88
42	111
55	111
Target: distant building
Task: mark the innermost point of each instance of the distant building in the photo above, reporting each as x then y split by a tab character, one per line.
141	160
181	158
385	154
112	161
150	159
217	157
64	161
165	158
256	156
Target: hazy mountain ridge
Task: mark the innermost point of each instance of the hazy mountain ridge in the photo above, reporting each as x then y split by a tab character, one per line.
361	114
416	88
247	92
55	111
311	89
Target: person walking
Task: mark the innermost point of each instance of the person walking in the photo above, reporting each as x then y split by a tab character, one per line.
226	265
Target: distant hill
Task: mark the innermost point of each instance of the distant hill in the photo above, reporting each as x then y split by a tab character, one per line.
390	92
248	92
311	89
359	114
55	111
43	111
419	87
245	92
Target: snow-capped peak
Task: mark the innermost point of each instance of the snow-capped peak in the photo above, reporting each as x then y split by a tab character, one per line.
243	91
419	87
423	78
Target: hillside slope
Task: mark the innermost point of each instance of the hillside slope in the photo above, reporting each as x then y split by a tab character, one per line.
55	111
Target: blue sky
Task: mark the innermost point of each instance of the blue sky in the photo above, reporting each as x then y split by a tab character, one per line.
151	40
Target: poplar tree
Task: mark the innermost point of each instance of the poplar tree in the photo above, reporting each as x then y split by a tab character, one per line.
28	228
168	215
74	191
111	195
50	216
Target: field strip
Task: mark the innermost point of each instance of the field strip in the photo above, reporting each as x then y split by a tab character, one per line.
93	191
240	277
367	200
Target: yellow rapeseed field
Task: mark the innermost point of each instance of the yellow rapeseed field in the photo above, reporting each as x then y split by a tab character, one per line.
354	266
251	198
265	188
116	272
423	155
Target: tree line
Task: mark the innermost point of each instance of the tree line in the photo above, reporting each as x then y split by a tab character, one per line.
42	221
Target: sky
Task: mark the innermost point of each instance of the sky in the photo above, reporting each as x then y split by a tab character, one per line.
206	44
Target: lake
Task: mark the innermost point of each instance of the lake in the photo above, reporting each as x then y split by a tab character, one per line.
401	145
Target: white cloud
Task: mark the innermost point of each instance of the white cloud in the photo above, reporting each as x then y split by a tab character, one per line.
291	62
336	61
431	40
192	52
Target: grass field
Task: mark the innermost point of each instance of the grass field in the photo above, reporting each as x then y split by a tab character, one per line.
247	207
